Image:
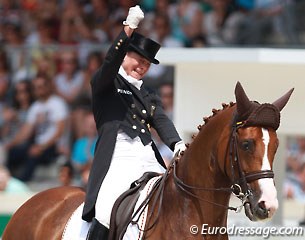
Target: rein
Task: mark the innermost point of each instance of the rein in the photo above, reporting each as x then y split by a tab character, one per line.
187	189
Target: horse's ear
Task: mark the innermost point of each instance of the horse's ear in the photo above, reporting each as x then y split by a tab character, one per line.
242	101
282	101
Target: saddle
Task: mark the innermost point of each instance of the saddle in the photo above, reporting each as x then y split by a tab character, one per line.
123	207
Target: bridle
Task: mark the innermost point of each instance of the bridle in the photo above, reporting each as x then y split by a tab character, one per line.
239	186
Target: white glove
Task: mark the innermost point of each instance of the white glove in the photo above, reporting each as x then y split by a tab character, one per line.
135	16
179	147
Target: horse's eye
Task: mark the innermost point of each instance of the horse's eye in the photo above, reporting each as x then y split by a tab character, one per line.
247	145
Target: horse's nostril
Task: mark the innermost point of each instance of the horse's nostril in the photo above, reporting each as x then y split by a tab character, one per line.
262	205
262	209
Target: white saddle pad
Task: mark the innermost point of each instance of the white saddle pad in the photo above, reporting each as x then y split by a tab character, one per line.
77	229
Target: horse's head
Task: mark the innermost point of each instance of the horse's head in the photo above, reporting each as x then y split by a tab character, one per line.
253	145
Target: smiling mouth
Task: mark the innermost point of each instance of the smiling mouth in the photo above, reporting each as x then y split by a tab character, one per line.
137	73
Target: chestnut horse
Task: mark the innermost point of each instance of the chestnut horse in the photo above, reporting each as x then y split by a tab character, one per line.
232	153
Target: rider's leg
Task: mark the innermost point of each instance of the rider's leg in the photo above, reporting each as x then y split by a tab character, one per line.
97	231
128	154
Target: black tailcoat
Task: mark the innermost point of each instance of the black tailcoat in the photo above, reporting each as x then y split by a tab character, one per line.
117	104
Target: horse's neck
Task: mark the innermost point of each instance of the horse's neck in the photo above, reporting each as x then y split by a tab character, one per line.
203	162
200	166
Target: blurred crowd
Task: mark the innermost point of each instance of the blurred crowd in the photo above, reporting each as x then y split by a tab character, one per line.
50	49
295	174
180	23
294	184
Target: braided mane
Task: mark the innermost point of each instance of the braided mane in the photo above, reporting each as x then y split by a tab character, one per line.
207	119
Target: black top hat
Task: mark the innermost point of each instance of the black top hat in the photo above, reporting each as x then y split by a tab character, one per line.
145	47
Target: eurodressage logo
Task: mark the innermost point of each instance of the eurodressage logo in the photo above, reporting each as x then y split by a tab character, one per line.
124	91
264	232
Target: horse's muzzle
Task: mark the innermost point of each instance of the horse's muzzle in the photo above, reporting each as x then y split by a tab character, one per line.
257	211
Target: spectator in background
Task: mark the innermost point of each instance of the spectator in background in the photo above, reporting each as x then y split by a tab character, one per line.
66	174
9	184
68	85
150	26
94	60
75	29
44	64
296	155
5	75
69	80
83	148
50	11
186	20
72	15
4	89
161	31
215	22
43	34
83	102
162	6
46	122
13	38
166	92
9	12
294	185
120	9
98	17
22	100
12	33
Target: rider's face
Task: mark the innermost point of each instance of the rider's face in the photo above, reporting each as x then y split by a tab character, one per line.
135	65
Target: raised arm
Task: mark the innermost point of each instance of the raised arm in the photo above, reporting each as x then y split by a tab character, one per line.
103	79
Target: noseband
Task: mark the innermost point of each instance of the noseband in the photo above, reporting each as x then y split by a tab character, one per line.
240	185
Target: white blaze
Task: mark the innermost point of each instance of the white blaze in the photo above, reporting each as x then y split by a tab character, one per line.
269	194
